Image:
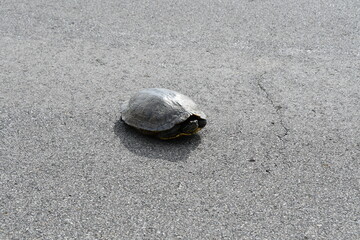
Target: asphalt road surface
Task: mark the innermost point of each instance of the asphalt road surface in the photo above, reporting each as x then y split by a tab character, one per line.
279	81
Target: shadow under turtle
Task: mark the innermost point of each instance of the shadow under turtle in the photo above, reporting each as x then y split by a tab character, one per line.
173	150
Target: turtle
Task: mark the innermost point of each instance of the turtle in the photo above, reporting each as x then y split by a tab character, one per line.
163	113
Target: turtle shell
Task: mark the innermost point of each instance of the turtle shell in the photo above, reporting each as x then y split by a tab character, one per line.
158	109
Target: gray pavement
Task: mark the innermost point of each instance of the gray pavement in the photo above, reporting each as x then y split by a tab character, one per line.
279	158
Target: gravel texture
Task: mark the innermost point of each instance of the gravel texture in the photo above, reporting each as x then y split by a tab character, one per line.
279	81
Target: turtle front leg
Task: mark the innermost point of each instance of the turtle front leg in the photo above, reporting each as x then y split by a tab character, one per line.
170	134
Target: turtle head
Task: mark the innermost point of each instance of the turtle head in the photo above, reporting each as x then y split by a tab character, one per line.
189	127
192	126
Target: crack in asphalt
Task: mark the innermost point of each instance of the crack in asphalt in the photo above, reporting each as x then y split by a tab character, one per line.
276	107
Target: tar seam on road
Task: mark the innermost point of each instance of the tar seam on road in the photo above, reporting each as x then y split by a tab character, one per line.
276	107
